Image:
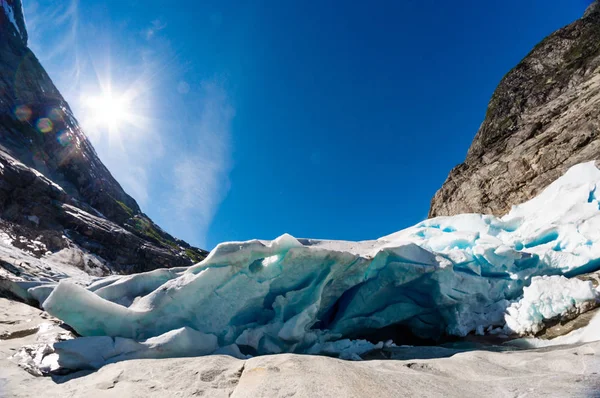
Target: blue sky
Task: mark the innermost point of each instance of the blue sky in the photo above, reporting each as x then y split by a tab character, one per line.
323	119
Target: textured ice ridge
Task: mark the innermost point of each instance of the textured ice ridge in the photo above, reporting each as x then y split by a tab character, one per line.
448	275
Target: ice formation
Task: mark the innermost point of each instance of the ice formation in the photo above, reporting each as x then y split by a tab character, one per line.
94	352
546	298
449	275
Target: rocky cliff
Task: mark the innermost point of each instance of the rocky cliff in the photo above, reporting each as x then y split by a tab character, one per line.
54	189
542	119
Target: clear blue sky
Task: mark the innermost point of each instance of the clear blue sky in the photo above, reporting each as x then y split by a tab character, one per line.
253	118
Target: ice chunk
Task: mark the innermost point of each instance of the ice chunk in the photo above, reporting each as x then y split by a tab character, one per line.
92	315
94	352
41	293
125	290
546	298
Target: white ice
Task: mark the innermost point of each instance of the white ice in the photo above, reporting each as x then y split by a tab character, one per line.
546	298
448	275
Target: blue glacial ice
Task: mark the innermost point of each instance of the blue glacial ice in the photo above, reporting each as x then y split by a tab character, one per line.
447	275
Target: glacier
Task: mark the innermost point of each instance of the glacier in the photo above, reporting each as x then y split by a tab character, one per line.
444	276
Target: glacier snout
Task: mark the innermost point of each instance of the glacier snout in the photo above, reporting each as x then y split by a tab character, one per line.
448	275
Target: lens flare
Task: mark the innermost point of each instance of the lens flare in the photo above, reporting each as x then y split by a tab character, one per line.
44	125
63	138
23	113
56	115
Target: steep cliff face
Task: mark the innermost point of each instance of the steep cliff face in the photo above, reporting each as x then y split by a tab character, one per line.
52	183
542	119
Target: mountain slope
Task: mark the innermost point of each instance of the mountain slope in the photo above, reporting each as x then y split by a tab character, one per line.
542	119
53	186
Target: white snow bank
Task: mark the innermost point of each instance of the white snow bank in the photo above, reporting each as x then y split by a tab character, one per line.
445	275
546	298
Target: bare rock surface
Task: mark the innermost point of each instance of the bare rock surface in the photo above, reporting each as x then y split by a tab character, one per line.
542	119
557	372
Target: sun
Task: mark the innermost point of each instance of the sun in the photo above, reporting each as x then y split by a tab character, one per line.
108	110
114	112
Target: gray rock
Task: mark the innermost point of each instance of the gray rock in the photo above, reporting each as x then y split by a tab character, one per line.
552	372
542	119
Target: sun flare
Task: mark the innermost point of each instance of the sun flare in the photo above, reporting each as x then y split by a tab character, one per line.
108	110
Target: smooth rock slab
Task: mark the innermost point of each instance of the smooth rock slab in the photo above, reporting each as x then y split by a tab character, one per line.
555	372
572	372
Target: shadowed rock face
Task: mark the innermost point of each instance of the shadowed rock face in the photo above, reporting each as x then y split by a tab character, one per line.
542	119
51	179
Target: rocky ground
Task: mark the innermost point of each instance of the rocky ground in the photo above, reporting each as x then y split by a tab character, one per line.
572	371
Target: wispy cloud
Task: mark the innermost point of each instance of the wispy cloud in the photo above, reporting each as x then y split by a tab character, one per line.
60	24
155	26
201	177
